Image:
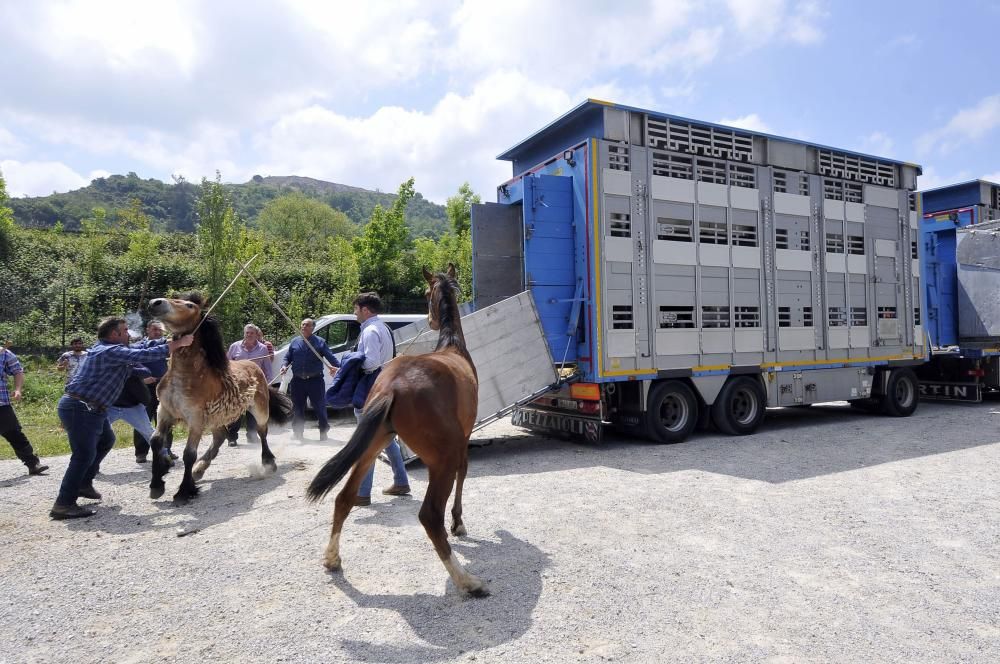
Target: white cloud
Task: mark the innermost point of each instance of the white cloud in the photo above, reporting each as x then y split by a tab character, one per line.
751	122
456	141
966	125
41	178
931	179
761	21
878	144
10	146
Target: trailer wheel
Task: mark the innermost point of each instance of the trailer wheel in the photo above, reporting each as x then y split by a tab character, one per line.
739	408
901	393
671	413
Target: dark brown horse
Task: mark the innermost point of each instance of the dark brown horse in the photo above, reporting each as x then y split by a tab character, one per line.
430	401
207	391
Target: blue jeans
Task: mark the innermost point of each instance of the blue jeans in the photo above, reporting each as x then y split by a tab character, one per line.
399	476
313	389
135	416
90	439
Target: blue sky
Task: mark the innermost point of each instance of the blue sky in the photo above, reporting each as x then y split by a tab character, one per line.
371	95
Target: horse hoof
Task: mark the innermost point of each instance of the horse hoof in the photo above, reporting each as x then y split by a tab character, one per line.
196	475
156	491
332	565
459	530
479	590
270	464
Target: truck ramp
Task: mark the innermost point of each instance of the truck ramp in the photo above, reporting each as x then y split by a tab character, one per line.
507	345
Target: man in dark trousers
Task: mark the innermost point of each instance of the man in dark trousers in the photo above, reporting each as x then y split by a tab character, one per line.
154	335
307	377
10	427
83	409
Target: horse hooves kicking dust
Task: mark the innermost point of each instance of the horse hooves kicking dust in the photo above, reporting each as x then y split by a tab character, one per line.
207	391
430	401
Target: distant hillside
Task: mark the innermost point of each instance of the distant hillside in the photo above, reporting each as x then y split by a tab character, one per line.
171	207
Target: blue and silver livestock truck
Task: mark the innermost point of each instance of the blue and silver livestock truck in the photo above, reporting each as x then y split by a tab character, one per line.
687	272
960	268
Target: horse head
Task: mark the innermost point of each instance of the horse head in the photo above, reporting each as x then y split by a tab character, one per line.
179	315
442	296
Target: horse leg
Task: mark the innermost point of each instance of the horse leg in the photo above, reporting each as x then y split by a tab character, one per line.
188	490
164	431
218	437
432	518
261	416
345	499
457	526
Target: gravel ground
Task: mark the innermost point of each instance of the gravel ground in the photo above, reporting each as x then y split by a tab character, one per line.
827	536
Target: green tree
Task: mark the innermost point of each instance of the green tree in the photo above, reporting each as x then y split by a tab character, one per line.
459	208
302	219
6	221
384	250
217	236
95	233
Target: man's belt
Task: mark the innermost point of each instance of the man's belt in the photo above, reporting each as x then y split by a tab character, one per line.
91	405
308	376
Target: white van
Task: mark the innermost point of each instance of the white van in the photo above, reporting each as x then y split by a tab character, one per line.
341	332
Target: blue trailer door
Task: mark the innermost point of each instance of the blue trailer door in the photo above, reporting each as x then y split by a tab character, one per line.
549	256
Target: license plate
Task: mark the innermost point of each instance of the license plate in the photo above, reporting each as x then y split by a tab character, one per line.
590	430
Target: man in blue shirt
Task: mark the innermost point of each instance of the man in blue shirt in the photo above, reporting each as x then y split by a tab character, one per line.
307	377
10	427
83	409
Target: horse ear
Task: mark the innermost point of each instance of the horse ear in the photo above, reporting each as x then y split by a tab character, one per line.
451	270
428	276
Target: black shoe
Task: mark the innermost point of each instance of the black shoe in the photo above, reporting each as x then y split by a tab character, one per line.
323	436
173	457
89	492
37	468
362	501
232	443
60	512
141	458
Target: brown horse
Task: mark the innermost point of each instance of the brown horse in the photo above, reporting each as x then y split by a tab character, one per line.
207	391
430	401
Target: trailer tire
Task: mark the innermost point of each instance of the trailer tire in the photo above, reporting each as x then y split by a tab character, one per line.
739	408
671	412
901	393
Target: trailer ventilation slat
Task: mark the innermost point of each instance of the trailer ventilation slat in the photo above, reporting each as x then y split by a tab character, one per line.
710	232
916	315
858	168
672	166
621	317
673	317
744	236
856	245
707	170
837	316
784	316
791	182
693	138
747	316
742	176
807	316
835	243
714	316
620	224
618	157
859	316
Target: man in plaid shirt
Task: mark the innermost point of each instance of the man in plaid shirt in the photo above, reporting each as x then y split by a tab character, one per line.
10	428
83	409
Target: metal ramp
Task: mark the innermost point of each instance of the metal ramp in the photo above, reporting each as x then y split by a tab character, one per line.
508	346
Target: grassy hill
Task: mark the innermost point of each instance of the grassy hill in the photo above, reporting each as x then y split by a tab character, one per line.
171	206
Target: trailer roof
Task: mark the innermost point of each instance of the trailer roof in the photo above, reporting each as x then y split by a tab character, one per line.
959	184
586	115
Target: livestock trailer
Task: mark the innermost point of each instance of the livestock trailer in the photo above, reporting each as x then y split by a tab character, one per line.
686	271
961	274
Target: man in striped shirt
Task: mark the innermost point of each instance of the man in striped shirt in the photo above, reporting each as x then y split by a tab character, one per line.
83	409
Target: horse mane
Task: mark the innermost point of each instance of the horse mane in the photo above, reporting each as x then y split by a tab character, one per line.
210	335
451	335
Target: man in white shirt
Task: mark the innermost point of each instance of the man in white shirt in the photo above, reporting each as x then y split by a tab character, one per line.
376	344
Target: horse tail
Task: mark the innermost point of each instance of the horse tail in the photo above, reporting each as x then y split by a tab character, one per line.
374	414
279	406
